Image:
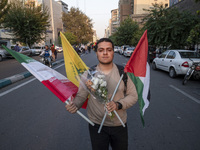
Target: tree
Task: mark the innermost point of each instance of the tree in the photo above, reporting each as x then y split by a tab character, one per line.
169	27
126	32
70	37
28	24
194	36
4	7
79	25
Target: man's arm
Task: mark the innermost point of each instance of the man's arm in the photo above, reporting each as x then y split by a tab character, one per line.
131	96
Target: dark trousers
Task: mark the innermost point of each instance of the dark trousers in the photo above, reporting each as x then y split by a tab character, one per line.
117	137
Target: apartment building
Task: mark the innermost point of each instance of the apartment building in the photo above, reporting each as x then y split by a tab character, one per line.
135	8
56	8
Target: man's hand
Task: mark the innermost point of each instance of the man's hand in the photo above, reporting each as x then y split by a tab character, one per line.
71	107
111	106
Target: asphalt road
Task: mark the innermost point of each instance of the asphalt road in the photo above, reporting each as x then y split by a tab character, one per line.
32	118
11	66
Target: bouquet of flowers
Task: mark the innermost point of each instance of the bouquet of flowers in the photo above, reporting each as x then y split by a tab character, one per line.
96	84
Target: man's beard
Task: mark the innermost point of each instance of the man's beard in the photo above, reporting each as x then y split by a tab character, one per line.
105	63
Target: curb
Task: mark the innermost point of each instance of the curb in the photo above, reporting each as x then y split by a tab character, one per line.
10	80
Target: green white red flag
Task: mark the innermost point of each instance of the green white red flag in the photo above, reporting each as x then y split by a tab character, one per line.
53	80
138	70
57	83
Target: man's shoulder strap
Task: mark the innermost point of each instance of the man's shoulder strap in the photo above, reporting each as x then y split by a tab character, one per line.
121	71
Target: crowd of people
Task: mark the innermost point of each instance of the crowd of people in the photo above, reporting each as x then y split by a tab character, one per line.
82	49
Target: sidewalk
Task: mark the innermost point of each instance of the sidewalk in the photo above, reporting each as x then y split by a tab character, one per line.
23	75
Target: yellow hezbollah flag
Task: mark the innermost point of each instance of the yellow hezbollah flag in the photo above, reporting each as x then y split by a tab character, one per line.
73	63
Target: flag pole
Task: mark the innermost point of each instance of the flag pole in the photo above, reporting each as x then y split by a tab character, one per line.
114	110
83	116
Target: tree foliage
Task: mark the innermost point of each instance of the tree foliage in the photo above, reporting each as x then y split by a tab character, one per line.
4	7
127	33
194	36
70	37
169	27
28	24
79	25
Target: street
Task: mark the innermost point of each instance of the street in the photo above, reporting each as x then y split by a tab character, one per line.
33	118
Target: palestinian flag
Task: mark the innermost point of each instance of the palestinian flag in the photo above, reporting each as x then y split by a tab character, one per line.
138	70
53	80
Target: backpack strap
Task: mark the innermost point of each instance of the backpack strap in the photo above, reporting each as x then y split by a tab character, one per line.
121	71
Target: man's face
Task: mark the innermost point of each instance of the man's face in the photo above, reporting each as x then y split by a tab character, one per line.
105	53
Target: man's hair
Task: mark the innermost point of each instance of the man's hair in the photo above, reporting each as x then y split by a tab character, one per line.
104	40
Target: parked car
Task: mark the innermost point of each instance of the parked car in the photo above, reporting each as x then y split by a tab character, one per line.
59	49
23	50
116	49
123	47
128	51
2	54
176	62
36	50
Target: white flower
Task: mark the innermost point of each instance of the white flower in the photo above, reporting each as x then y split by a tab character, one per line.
101	76
94	86
103	84
99	91
100	81
95	81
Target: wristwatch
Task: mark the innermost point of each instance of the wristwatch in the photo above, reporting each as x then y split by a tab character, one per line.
119	105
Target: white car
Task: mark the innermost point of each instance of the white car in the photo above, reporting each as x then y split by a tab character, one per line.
176	62
59	49
2	54
116	49
36	50
128	51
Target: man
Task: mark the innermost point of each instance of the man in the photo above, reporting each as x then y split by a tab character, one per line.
17	48
47	54
53	52
112	132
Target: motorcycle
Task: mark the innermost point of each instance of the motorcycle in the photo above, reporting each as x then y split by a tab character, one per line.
45	61
193	71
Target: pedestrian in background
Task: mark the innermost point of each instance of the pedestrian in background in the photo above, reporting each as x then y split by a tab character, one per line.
112	132
17	48
53	52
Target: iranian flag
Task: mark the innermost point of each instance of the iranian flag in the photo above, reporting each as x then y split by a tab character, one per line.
63	88
138	70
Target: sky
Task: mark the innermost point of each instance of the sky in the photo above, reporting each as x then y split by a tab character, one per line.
97	10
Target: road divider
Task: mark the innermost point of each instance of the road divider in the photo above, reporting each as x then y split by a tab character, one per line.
10	80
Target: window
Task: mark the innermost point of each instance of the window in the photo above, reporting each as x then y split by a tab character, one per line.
163	54
189	55
171	55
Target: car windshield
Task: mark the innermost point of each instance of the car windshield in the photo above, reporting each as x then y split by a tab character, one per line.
36	47
189	55
131	49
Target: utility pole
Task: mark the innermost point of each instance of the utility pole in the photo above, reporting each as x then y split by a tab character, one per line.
52	21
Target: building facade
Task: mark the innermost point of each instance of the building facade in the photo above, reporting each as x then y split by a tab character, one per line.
114	21
56	8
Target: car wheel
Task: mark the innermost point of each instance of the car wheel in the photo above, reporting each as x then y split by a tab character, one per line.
172	72
154	66
1	58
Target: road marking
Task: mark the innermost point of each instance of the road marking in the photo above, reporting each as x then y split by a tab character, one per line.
187	95
17	87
